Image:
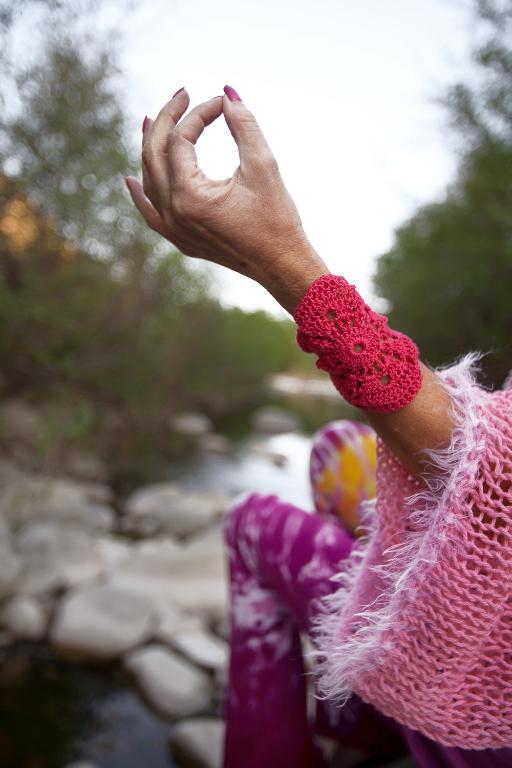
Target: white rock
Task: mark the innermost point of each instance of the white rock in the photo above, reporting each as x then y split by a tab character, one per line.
189	578
191	424
172	621
206	597
102	622
171	685
200	740
272	421
163	508
56	556
152	558
202	647
113	552
29	498
24	618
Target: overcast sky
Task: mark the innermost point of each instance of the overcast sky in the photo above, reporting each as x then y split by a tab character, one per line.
344	91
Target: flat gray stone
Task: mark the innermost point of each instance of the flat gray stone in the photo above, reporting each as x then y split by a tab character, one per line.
191	424
28	498
202	648
102	622
170	684
56	556
162	508
24	618
198	742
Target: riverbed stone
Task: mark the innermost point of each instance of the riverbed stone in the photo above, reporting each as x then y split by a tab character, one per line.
173	686
24	618
198	742
29	498
271	420
163	508
201	647
172	622
55	557
102	621
191	424
189	578
113	552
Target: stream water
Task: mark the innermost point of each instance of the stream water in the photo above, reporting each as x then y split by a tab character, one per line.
53	713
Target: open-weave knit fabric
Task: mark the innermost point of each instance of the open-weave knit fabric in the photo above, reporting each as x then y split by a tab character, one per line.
421	624
370	364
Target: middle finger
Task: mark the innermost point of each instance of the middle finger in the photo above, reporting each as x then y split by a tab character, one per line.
154	148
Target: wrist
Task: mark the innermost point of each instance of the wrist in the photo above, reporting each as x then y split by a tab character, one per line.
297	271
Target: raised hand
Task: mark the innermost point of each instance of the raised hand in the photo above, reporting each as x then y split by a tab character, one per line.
248	223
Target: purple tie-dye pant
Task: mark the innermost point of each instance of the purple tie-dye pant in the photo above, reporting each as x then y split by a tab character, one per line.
281	559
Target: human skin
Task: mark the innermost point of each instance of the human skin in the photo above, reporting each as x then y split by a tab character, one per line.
250	224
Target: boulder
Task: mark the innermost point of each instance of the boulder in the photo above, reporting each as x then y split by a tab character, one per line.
202	648
26	498
172	622
198	742
191	424
273	421
162	508
56	557
171	685
24	618
113	552
177	578
102	622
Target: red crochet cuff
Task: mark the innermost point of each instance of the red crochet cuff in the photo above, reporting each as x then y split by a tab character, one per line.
372	366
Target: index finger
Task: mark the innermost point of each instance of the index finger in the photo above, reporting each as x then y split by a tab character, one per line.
156	137
182	139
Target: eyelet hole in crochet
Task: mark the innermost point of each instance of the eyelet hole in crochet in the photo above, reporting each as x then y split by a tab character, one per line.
358	347
330	314
384	380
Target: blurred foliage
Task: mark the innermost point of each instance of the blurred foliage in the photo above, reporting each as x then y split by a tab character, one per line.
449	274
96	313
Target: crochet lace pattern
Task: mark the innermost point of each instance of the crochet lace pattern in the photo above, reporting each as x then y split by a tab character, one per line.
372	366
421	623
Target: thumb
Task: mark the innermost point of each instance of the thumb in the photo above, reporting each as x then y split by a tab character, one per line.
252	145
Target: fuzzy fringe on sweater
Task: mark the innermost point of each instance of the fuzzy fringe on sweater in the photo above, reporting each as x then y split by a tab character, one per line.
421	623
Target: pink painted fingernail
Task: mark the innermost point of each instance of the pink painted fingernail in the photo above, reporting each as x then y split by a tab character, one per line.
145	124
179	91
231	93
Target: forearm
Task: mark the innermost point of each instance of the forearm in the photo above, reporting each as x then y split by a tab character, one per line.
425	423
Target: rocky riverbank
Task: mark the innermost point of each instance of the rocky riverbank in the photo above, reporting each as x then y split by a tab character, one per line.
144	585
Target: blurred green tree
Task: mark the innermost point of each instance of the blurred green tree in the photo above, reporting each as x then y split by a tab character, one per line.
449	273
95	310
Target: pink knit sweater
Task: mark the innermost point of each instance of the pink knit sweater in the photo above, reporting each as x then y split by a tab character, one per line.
421	624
